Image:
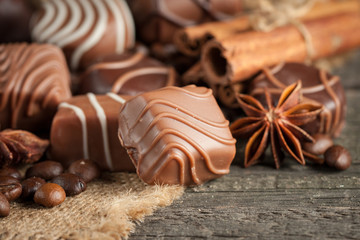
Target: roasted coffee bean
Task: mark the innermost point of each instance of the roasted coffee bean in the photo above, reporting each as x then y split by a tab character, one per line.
338	157
321	144
86	169
46	170
4	206
30	186
49	195
71	183
11	172
10	187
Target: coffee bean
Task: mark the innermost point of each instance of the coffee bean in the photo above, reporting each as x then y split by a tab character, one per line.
321	144
49	195
72	184
11	172
337	156
10	187
46	170
30	185
85	169
4	206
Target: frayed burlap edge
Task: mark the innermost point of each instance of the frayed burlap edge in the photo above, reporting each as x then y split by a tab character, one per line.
109	209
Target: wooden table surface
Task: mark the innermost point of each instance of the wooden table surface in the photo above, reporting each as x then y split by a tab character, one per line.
295	202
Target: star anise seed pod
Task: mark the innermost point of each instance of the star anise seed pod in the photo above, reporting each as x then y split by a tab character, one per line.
18	146
280	124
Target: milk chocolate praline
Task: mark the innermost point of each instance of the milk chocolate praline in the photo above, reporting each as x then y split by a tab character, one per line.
319	87
85	30
129	73
176	136
34	80
85	127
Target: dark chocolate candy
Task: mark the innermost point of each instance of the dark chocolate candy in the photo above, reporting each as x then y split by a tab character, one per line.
34	80
319	87
177	136
85	30
157	20
14	21
130	73
85	127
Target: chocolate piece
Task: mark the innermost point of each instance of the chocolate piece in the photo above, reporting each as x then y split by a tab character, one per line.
34	79
130	73
14	21
176	136
85	30
319	87
338	157
85	127
50	195
157	20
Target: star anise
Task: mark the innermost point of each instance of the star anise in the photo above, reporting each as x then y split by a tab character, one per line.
280	124
18	146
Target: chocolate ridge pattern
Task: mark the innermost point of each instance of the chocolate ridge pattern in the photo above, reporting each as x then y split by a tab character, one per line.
192	121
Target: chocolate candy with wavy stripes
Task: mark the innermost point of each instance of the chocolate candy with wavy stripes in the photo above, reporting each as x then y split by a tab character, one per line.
176	136
130	73
85	127
319	87
157	20
34	79
85	30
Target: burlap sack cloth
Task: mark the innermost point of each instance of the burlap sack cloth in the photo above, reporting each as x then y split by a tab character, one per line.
108	209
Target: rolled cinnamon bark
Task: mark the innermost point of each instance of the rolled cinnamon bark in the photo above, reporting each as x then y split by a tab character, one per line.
240	56
190	40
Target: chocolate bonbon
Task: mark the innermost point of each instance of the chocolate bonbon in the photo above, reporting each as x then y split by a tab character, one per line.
85	127
157	20
318	87
34	80
176	136
85	30
130	73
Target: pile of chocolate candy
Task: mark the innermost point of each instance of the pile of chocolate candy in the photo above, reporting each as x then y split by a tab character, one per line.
109	103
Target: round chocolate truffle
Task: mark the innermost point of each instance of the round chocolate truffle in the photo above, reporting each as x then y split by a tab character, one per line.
319	87
129	73
157	20
85	30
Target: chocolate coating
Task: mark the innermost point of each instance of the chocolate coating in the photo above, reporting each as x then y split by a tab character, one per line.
319	87
130	73
177	136
85	127
157	20
85	30
14	21
34	80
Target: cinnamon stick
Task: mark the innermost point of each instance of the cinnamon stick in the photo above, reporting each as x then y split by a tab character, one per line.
190	40
240	56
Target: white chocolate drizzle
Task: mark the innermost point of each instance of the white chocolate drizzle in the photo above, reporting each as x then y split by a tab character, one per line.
81	115
84	23
116	97
102	119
